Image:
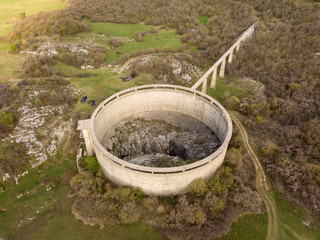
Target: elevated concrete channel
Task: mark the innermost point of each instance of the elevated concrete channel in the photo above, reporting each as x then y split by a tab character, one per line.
221	63
140	101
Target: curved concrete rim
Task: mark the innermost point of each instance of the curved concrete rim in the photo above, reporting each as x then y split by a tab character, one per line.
167	170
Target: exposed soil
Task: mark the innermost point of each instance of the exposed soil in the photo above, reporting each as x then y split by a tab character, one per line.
159	144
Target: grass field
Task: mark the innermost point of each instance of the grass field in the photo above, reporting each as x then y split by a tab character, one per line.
10	10
156	40
54	219
8	63
43	214
116	29
162	39
291	221
227	87
253	227
100	86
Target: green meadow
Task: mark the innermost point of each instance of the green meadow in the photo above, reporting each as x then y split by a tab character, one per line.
46	214
10	10
8	63
100	33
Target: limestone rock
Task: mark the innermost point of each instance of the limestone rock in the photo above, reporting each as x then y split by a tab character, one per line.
157	143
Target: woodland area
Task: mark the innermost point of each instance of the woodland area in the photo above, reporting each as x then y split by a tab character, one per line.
284	55
206	211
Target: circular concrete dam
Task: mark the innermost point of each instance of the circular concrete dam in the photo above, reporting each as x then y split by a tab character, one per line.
149	101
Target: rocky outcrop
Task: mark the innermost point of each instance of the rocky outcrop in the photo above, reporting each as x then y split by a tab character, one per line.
157	143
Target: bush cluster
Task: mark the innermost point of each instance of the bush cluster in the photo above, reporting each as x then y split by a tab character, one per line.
208	205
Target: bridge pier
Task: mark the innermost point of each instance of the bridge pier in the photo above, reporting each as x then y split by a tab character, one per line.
230	56
222	68
214	78
204	85
238	46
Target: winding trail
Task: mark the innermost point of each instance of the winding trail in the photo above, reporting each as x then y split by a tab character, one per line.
261	185
130	60
123	67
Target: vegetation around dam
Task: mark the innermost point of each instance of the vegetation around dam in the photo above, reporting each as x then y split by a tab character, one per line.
52	53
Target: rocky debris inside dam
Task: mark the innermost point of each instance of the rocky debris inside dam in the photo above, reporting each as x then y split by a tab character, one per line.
159	144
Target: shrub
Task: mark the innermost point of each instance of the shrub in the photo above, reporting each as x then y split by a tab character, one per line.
129	213
139	38
56	37
161	209
198	187
216	186
116	42
258	120
47	24
232	103
22	15
219	207
122	195
14	88
153	30
138	192
38	102
53	93
92	164
7	119
294	86
12	48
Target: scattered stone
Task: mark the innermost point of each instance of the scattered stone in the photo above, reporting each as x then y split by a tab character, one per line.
6	177
183	70
3	210
31	218
27	130
19	196
86	67
306	224
258	87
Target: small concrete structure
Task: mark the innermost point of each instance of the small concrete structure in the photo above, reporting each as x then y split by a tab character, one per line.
147	100
222	62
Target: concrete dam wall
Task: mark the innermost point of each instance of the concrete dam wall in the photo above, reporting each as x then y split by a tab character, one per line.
148	101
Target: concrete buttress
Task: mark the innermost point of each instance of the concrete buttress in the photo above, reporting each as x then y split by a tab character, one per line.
84	126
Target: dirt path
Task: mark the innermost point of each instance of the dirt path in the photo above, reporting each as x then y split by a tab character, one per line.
261	185
294	233
123	67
